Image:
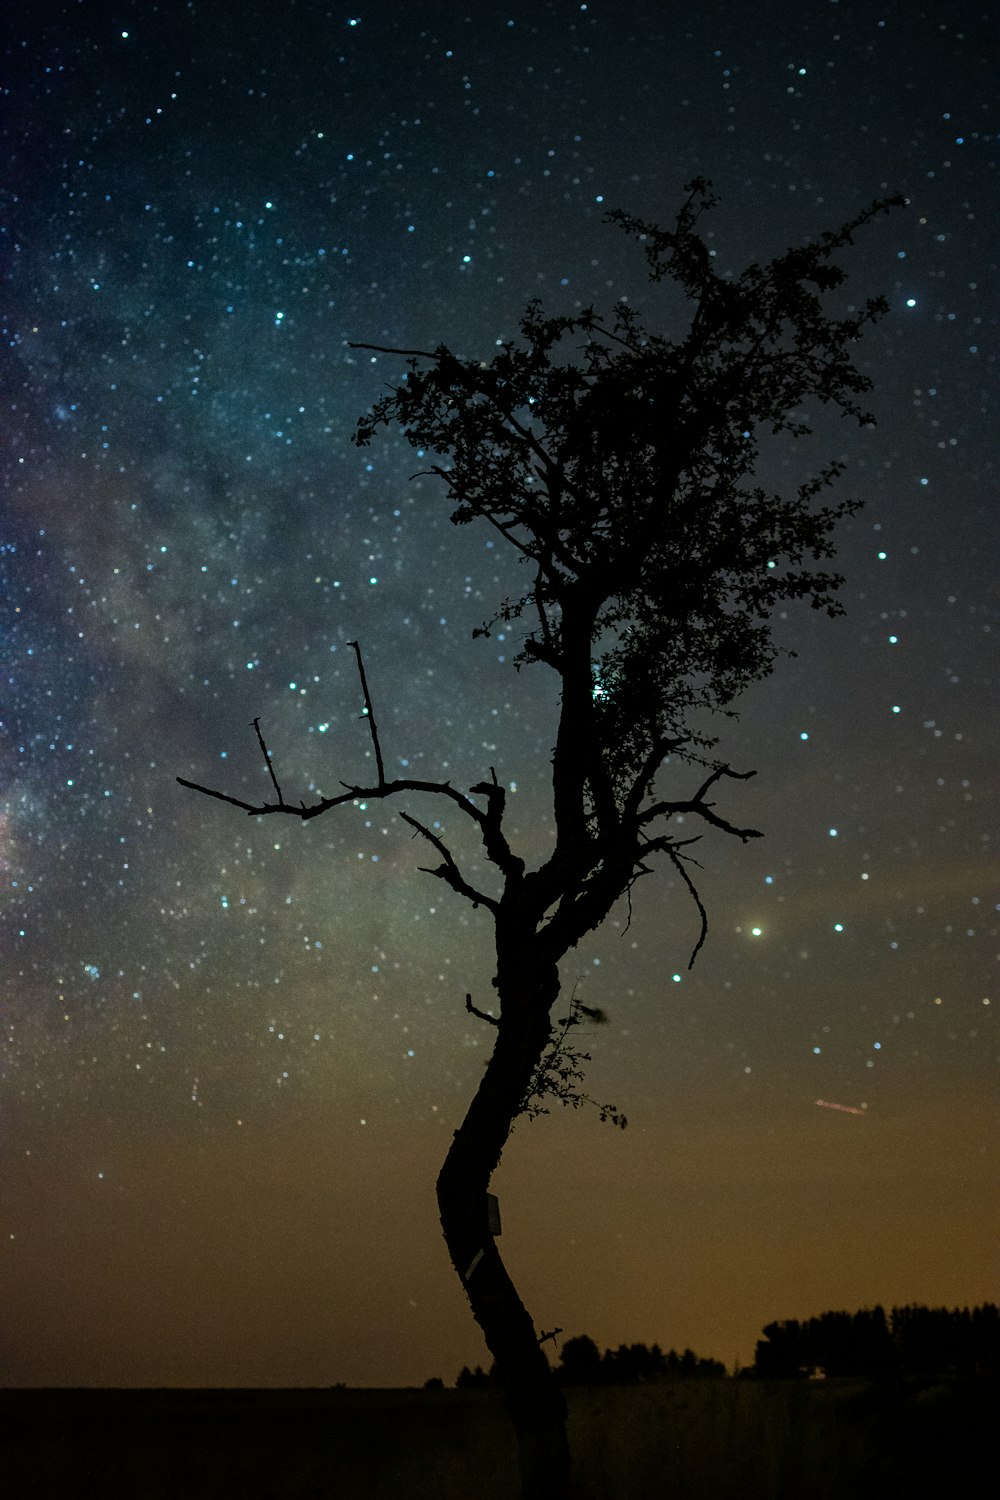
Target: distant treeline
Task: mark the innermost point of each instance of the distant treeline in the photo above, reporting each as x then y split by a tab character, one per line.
915	1341
582	1363
910	1341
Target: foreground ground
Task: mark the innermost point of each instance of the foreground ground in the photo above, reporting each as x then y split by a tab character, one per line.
677	1440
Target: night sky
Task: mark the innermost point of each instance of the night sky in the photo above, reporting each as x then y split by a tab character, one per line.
235	1048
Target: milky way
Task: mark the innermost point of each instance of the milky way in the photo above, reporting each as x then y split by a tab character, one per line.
234	1048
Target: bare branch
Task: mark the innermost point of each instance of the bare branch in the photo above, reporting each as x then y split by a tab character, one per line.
369	713
351	793
592	326
267	760
449	871
382	349
639	871
482	1014
661	747
703	809
716	775
494	840
675	859
247	807
628	897
489	826
432	838
672	848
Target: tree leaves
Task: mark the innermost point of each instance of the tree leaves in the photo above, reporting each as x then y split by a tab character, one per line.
616	461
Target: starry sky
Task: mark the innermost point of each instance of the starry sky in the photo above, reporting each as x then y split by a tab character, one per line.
234	1048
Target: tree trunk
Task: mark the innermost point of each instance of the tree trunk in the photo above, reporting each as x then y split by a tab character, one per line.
534	1400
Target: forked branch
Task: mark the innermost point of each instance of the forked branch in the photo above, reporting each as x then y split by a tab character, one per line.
698	806
448	870
488	821
675	858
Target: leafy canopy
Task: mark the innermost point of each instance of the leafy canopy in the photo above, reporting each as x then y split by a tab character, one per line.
618	463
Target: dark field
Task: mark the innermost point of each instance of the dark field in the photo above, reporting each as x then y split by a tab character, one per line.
682	1440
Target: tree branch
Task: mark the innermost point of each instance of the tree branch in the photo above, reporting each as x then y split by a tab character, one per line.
369	712
482	1014
488	823
675	858
267	759
704	809
449	871
456	494
661	747
351	793
410	353
494	840
443	357
207	791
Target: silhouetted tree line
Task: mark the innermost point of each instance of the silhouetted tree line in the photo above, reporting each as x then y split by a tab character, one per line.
915	1341
910	1341
582	1363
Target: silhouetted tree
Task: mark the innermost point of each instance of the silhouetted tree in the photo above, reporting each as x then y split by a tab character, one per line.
874	1353
632	1364
829	1343
912	1341
617	464
782	1354
939	1341
580	1361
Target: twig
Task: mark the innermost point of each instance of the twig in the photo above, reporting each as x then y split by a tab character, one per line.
369	713
248	807
482	1014
676	861
703	809
637	874
267	761
717	774
383	349
488	822
449	871
351	793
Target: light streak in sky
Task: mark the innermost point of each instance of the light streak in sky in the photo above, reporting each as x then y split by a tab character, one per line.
846	1109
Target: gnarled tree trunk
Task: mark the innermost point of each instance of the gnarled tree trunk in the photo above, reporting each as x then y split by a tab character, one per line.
534	1400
